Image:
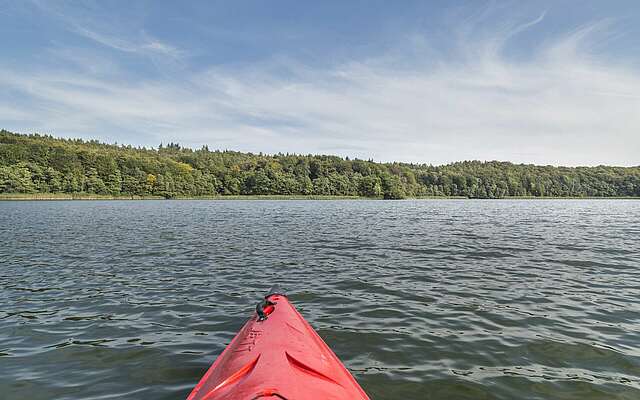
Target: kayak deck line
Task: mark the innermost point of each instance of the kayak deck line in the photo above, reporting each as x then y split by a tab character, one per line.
277	355
237	375
307	369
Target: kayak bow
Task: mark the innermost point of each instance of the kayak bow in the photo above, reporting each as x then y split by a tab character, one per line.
277	355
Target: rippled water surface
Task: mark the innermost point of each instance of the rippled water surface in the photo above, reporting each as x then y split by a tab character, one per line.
449	299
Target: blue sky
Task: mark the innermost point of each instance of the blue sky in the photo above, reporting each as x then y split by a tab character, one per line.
547	82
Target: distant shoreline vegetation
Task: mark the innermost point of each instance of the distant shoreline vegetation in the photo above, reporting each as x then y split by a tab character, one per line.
91	196
44	167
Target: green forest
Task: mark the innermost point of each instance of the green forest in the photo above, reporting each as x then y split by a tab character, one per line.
44	164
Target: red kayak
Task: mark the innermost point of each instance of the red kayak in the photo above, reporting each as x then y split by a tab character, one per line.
277	355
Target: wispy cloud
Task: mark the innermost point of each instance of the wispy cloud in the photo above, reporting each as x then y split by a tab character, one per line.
8	113
147	45
561	105
107	31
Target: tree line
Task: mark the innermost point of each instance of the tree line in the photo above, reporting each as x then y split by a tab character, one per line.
44	164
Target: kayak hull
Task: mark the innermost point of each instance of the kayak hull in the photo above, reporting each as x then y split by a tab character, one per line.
278	357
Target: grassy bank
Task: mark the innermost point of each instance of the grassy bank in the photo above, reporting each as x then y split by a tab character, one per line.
71	196
570	198
90	196
271	197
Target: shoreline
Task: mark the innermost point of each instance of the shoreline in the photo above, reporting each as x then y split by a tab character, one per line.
88	196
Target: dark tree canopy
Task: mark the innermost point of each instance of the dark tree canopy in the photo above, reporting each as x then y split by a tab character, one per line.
44	164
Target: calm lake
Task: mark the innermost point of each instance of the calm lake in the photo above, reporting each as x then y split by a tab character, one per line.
435	299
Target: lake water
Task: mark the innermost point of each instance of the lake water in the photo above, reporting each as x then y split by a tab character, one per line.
436	299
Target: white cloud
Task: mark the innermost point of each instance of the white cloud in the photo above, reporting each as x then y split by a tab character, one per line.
95	23
8	113
562	105
147	45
